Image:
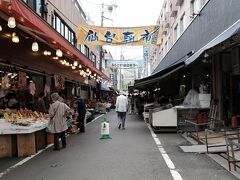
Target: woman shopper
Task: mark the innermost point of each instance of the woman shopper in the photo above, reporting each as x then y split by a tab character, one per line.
58	124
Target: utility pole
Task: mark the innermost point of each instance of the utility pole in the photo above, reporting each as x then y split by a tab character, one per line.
101	49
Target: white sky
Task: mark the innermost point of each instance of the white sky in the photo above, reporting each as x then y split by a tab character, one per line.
129	13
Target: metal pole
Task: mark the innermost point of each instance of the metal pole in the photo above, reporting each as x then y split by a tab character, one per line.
101	49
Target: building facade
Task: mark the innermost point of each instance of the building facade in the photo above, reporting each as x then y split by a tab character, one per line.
49	27
65	16
206	53
175	17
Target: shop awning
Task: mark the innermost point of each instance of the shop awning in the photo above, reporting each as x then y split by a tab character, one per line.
30	22
141	83
231	31
164	69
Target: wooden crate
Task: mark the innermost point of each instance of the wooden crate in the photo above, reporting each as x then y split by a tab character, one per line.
5	146
50	138
41	139
26	144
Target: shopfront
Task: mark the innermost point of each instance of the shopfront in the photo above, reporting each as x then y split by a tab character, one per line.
34	60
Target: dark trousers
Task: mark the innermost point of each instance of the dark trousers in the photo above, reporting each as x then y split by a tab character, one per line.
56	140
80	121
121	118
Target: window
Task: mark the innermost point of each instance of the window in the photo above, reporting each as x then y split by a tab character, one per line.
39	5
82	48
66	33
86	51
62	29
183	23
196	6
60	26
176	33
35	5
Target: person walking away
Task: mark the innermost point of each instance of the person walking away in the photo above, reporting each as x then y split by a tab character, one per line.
121	109
81	109
58	111
41	107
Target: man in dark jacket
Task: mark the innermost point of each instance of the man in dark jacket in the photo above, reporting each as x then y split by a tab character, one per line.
81	109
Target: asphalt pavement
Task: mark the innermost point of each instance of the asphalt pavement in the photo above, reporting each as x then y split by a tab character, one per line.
131	154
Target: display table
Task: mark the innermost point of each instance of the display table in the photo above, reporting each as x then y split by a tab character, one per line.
169	117
21	141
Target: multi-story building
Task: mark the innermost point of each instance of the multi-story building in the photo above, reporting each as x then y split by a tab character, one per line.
175	17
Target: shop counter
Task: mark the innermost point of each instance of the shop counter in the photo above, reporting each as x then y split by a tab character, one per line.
164	118
169	116
21	141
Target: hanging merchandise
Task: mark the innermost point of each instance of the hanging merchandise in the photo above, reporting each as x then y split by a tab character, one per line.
73	91
59	82
47	90
6	81
32	88
22	79
192	98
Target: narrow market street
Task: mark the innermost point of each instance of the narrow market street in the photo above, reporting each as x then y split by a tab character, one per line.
130	154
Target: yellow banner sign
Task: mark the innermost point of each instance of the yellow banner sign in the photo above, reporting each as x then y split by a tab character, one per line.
135	36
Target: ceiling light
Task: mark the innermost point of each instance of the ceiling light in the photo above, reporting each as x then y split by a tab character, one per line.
15	39
206	55
87	70
75	63
73	67
35	47
49	53
45	53
80	66
59	53
0	28
56	58
11	22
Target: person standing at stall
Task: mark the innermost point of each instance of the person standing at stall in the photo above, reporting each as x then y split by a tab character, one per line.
41	107
121	109
81	109
58	124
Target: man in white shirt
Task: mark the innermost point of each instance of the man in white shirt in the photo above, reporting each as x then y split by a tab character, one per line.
121	109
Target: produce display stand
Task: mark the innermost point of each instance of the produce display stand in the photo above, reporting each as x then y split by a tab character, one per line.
22	141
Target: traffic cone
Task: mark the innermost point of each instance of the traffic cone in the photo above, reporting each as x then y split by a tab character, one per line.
105	129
